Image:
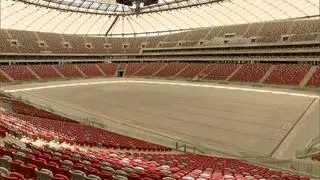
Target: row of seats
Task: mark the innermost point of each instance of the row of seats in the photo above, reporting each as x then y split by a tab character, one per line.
282	74
66	129
32	162
22	108
70	132
28	42
291	74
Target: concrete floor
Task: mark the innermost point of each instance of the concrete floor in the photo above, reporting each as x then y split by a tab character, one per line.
231	120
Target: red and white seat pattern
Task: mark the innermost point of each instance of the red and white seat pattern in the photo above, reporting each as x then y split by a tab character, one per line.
171	69
192	70
288	74
109	68
73	133
134	165
68	70
18	73
250	72
222	71
90	70
283	74
45	71
314	81
150	69
22	108
133	67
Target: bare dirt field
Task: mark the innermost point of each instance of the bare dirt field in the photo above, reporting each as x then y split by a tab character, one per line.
226	118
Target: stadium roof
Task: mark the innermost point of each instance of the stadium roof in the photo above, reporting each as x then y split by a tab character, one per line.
96	17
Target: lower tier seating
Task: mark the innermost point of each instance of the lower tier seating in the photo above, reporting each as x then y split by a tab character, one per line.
133	68
280	74
150	69
3	79
289	74
171	69
18	73
68	70
33	162
314	81
45	71
90	70
192	70
109	69
250	72
222	71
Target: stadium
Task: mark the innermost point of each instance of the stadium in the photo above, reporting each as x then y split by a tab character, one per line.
159	89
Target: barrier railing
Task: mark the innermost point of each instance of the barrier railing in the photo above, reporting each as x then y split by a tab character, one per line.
301	167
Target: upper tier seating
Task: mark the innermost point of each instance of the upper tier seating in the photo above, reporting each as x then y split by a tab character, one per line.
250	72
98	45
150	69
272	31
45	71
214	31
53	42
109	69
263	33
239	30
168	44
306	26
254	30
68	70
304	30
175	37
27	40
77	43
304	37
289	74
222	71
18	73
116	45
189	43
171	69
153	41
192	70
5	45
135	45
90	70
197	34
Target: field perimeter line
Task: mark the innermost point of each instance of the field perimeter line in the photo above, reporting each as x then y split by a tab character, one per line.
164	83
